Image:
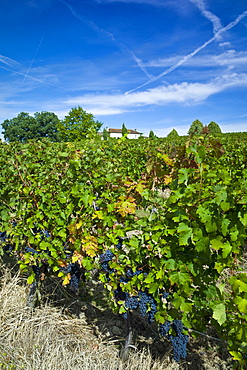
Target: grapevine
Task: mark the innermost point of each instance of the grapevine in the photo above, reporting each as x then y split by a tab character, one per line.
165	223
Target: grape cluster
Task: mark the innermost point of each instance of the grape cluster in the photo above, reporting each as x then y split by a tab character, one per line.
130	273
76	273
120	242
28	249
179	342
131	302
147	305
164	328
105	258
8	248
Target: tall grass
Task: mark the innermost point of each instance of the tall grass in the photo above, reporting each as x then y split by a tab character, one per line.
47	338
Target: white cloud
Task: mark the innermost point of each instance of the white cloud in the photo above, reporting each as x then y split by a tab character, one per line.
8	61
230	57
193	53
182	94
225	44
234	127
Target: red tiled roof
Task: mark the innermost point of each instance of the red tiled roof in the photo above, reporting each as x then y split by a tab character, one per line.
119	131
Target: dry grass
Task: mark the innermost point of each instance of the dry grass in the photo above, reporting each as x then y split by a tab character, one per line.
50	339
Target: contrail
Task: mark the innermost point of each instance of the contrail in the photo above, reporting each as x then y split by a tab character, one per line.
186	57
33	78
209	15
103	32
32	60
136	59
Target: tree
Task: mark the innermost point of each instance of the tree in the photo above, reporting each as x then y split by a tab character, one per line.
195	128
106	134
25	127
124	130
47	125
173	135
214	128
152	135
77	125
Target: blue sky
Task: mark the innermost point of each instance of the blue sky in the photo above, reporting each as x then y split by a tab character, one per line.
150	64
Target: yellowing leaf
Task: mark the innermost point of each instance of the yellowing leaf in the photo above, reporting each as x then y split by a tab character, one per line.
166	159
90	245
98	214
79	225
77	257
126	206
167	180
66	280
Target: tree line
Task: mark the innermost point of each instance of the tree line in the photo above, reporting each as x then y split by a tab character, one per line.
77	125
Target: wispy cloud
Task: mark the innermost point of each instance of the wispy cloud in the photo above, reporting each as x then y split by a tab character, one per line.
182	94
42	81
8	61
192	54
151	2
229	57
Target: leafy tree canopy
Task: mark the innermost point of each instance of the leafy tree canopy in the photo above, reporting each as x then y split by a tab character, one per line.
151	134
124	130
195	128
173	135
214	128
77	125
25	127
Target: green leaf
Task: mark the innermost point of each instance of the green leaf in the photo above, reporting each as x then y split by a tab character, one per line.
204	214
170	264
153	287
150	278
185	233
219	313
179	277
217	243
227	248
243	218
31	279
241	303
186	307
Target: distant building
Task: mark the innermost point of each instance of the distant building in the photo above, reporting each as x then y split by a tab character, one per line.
117	133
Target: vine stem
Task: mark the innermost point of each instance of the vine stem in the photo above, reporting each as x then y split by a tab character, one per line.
125	350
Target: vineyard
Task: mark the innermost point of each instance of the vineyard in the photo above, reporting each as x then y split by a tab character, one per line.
161	224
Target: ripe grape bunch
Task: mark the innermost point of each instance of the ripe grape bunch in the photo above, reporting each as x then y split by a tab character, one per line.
179	342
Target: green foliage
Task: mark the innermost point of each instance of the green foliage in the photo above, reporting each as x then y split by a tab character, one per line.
106	134
188	244
195	128
173	135
214	128
25	127
151	135
124	130
78	125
